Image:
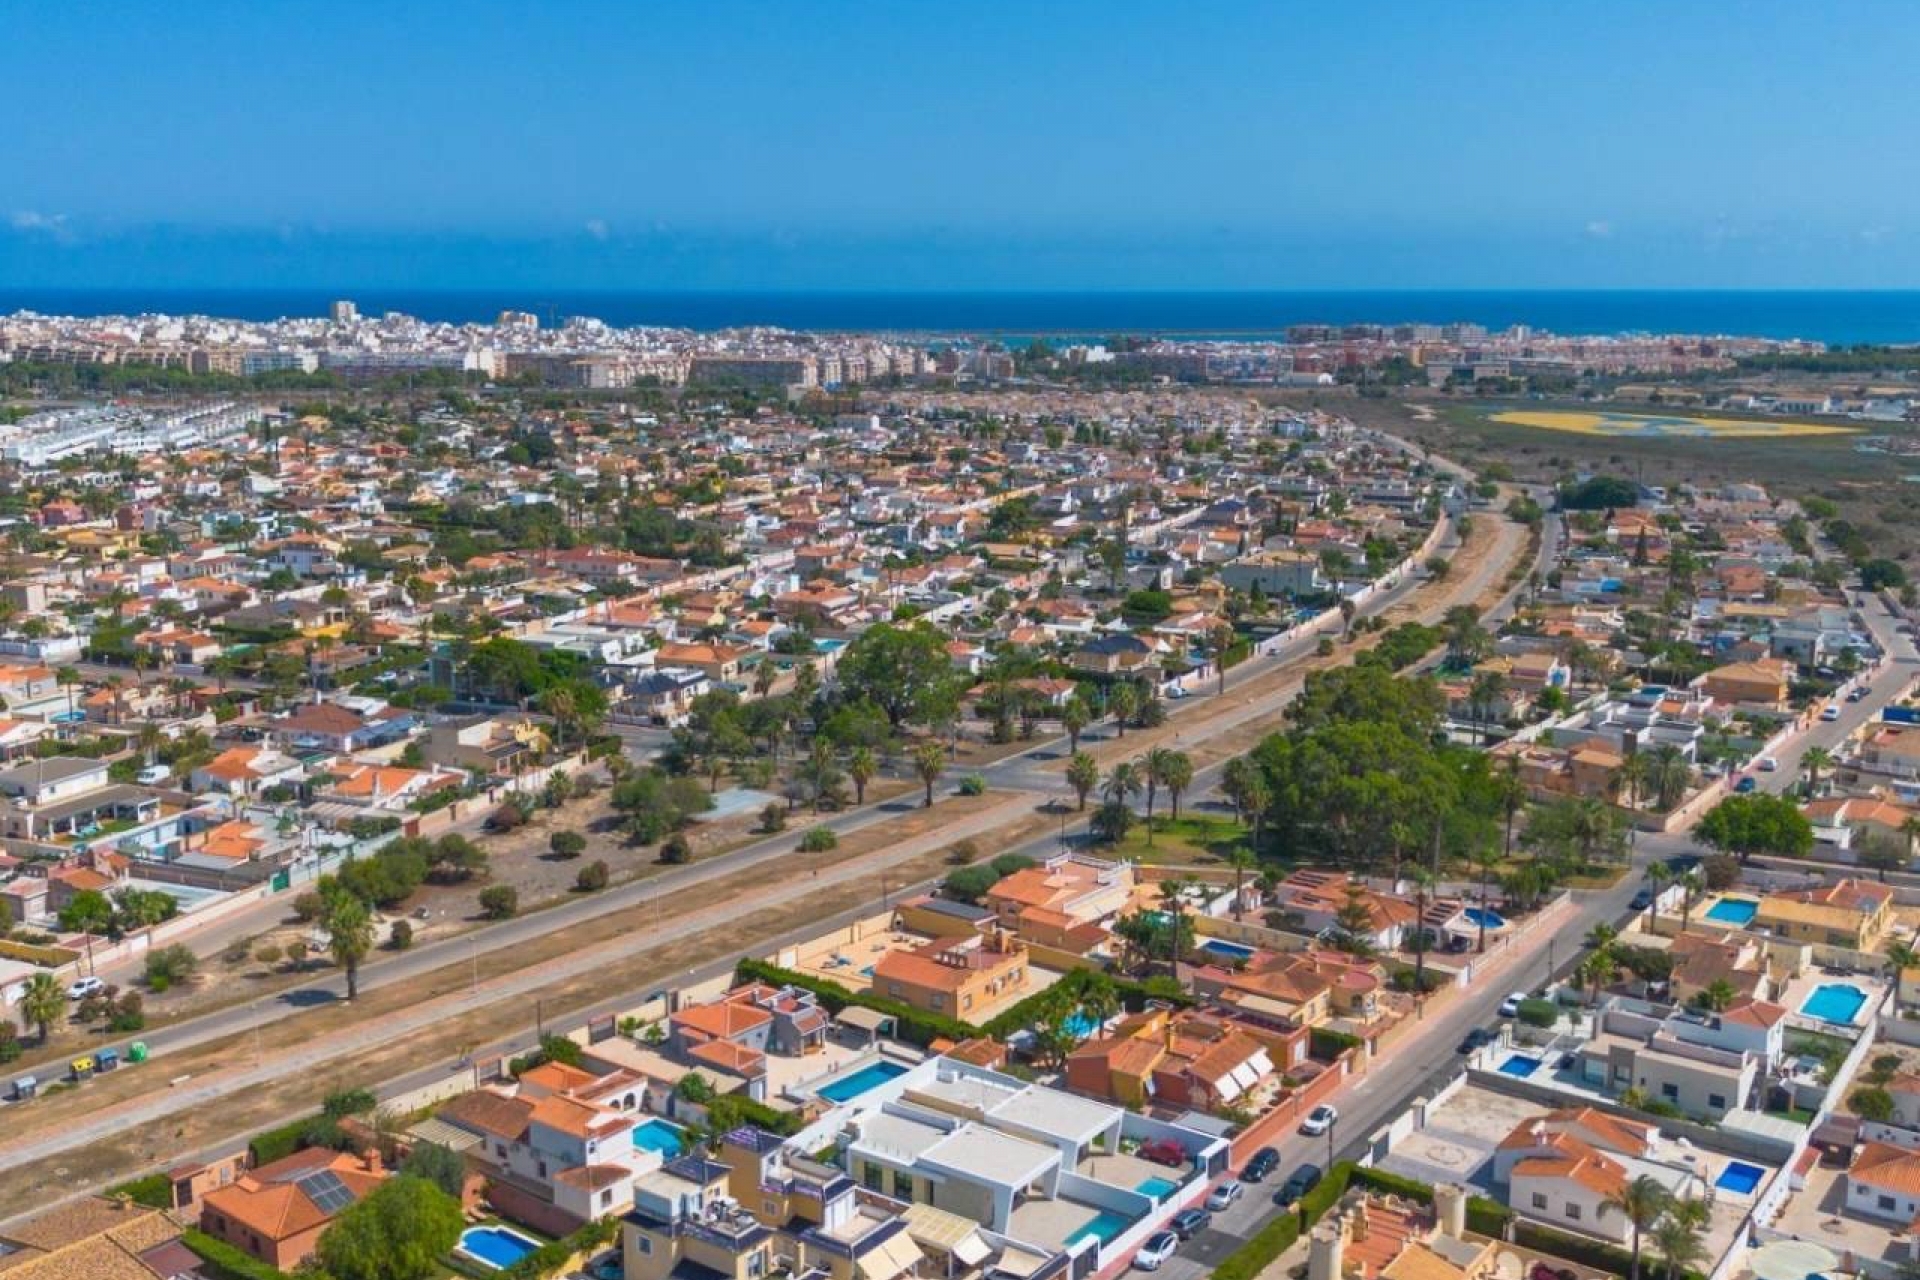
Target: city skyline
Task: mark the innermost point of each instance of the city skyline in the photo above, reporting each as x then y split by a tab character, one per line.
1113	148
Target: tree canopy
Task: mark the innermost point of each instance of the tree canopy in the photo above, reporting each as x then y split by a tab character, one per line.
398	1231
903	670
1757	823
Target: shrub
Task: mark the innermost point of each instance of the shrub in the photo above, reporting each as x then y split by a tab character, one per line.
127	1014
592	878
268	954
1538	1013
154	1191
500	901
773	818
401	935
297	954
818	840
170	966
229	1260
307	907
567	844
278	1143
9	1041
1325	1043
969	884
962	852
675	851
973	785
506	818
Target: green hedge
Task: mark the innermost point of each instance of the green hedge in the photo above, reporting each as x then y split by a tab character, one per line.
1591	1253
278	1144
228	1259
155	1191
1327	1044
1064	998
549	1258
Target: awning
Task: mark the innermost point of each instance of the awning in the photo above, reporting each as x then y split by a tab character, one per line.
972	1251
1245	1076
860	1016
1260	1062
895	1254
1228	1088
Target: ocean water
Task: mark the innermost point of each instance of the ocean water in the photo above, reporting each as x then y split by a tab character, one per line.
1839	317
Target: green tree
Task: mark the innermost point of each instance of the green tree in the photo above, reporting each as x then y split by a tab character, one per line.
398	1231
349	936
1756	823
43	1003
929	762
444	1167
1083	775
1123	701
862	765
1074	718
1677	1237
1641	1201
567	844
1176	775
903	670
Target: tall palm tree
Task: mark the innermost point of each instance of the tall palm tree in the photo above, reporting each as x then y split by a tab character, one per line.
1677	1237
929	761
1241	860
1691	887
1642	1201
1153	770
1669	775
1812	761
861	767
1122	784
1911	830
1173	897
1422	886
1073	718
1123	701
1176	775
1486	860
1083	775
1633	774
43	1003
1658	873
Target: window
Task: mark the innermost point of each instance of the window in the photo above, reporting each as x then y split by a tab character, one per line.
542	1165
871	1176
771	1208
500	1149
1573	1212
1886	1202
1717	1101
1670	1091
1539	1200
606	1198
939	1000
643	1244
966	1001
757	1263
902	1186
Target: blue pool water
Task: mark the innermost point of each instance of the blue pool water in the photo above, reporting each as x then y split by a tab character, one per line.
657	1135
1519	1064
495	1247
1227	950
1834	1002
1740	911
1103	1227
1158	1188
849	1087
1485	916
1740	1178
1081	1025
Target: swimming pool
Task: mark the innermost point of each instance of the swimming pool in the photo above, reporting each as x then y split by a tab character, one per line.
851	1086
1158	1188
658	1135
1835	1002
1740	911
1739	1177
1519	1064
494	1248
1081	1025
1486	916
1103	1227
1227	950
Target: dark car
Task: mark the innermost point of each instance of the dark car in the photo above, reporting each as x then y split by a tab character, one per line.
1163	1151
1190	1222
1477	1038
1298	1183
1260	1164
1642	900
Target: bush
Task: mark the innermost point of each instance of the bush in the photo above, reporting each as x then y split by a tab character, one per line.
228	1260
155	1191
969	884
567	844
268	955
127	1014
773	818
1326	1044
1538	1013
592	878
818	840
307	907
9	1041
500	901
170	966
401	935
506	818
279	1143
973	785
675	851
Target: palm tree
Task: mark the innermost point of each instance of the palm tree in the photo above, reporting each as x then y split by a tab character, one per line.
1632	777
349	937
764	674
1911	830
1658	873
1122	702
67	678
1486	860
1669	776
1513	798
1467	641
1594	972
1083	775
1153	771
1173	896
1677	1237
1422	886
861	766
1812	761
1122	784
1176	775
1642	1201
43	1003
1902	955
929	761
1073	718
1691	887
1482	696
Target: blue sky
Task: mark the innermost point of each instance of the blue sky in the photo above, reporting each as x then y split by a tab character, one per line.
1059	145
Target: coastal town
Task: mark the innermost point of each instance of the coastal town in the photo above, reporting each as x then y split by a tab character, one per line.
550	799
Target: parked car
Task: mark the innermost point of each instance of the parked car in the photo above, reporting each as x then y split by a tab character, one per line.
1830	712
1855	695
154	775
86	987
1260	1164
1189	1223
1681	863
609	1267
1746	785
1319	1120
1511	1005
1298	1183
1642	900
1158	1248
1223	1196
1478	1038
1163	1151
1768	764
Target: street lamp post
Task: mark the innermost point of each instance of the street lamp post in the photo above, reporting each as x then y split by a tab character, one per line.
1335	1124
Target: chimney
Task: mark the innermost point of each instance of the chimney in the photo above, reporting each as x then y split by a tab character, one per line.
1450	1209
1327	1249
1360	1221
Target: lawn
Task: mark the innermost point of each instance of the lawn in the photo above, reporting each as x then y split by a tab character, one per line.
1193	840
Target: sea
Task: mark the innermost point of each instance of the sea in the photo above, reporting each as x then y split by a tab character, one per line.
1831	316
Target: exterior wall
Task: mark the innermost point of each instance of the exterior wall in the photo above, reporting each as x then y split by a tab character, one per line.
1879	1202
1566	1204
1693	1085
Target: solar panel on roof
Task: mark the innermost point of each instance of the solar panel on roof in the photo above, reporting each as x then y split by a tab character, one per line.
328	1193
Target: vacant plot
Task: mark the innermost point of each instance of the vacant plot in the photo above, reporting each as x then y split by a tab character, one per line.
1650	426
